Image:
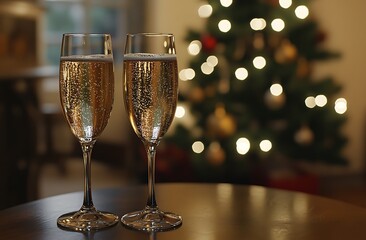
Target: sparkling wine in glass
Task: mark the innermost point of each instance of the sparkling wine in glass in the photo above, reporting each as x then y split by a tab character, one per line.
150	96
86	92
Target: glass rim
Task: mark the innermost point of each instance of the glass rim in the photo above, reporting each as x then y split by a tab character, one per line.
85	34
152	34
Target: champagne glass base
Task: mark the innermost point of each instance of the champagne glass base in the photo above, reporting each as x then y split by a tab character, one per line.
87	220
151	220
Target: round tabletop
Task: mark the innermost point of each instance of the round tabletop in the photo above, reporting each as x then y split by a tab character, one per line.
209	211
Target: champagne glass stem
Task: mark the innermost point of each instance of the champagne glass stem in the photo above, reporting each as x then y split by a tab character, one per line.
87	148
151	152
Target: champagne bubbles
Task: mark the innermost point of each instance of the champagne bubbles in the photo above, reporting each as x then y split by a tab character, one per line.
150	94
87	85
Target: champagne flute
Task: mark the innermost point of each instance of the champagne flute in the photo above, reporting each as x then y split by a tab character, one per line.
86	93
150	96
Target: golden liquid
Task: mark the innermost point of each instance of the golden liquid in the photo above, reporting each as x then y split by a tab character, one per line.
86	93
150	93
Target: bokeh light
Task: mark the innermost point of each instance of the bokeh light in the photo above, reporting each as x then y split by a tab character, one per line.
302	11
259	62
194	47
265	145
242	145
206	68
310	102
205	11
278	24
321	100
258	24
226	3
276	89
241	73
198	147
180	112
212	60
285	3
340	106
224	25
187	74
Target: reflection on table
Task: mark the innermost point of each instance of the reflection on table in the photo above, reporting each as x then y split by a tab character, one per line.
210	211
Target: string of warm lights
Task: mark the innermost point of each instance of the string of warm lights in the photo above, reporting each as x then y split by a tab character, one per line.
259	62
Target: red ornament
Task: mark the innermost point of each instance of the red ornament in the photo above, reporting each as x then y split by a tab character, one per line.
208	43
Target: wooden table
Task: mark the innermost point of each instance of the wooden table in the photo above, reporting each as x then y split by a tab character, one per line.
210	212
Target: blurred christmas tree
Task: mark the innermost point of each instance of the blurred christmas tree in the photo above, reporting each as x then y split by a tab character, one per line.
251	94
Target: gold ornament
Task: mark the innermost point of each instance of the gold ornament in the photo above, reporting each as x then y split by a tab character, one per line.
274	102
274	40
220	124
215	154
304	136
286	52
227	126
224	83
196	95
239	48
258	41
210	91
303	68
